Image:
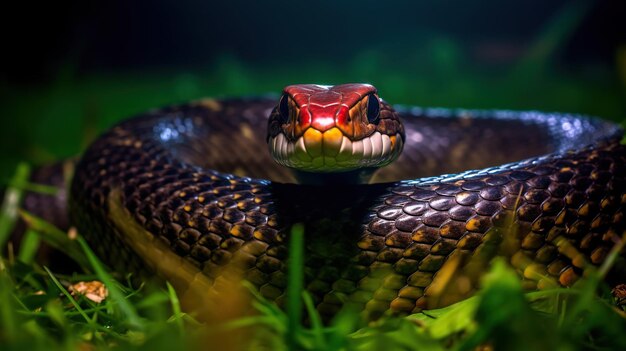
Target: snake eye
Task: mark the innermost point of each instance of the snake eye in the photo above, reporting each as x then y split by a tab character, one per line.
373	108
283	108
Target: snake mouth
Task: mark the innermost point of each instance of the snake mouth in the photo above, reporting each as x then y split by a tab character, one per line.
331	151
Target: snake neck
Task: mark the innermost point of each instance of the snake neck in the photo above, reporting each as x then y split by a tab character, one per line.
358	176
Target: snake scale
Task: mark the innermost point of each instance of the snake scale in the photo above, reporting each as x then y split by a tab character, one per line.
189	190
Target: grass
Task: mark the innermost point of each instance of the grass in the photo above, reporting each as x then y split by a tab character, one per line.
39	311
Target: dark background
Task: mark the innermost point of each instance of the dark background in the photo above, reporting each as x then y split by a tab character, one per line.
70	69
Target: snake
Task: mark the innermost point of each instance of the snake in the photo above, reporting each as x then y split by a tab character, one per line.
402	208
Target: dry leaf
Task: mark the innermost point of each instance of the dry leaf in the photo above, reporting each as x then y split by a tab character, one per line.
93	290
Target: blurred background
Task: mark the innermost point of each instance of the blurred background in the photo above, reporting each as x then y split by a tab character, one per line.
71	69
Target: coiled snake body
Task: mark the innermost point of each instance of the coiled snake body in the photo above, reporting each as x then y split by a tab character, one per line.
189	190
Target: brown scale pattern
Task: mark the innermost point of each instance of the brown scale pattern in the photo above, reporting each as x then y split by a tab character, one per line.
386	247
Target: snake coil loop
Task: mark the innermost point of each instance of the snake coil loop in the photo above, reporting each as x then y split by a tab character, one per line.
187	191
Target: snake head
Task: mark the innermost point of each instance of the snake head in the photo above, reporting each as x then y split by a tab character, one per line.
321	128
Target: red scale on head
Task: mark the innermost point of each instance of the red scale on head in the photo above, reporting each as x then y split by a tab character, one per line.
325	106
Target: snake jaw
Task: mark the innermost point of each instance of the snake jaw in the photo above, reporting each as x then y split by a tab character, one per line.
331	151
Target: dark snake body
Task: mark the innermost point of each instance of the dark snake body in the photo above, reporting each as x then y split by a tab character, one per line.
199	179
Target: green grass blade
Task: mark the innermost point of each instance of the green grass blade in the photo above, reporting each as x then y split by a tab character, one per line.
68	295
177	317
295	276
246	322
612	257
447	321
34	187
316	322
29	247
9	319
115	294
56	238
11	203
